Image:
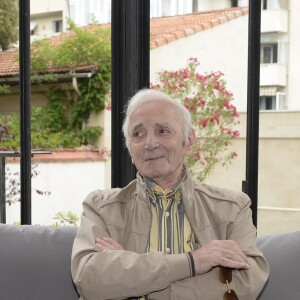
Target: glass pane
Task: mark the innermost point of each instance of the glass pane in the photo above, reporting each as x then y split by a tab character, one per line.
279	160
200	38
267	54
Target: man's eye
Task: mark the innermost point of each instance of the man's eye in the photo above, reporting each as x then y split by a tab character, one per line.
137	134
165	131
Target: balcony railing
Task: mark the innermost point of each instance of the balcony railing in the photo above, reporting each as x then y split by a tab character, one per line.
274	21
273	75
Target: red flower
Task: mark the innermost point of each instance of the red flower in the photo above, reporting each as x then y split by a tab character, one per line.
204	122
108	107
233	154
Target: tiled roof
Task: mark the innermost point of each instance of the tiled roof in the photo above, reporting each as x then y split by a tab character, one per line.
163	30
9	64
167	29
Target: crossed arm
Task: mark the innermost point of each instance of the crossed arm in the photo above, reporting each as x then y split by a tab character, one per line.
103	269
224	253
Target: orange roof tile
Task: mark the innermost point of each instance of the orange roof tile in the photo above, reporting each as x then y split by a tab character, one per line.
9	64
166	29
163	30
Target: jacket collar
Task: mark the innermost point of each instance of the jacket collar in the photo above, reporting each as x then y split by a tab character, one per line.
188	185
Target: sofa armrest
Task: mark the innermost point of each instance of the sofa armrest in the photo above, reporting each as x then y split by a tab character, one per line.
283	255
35	262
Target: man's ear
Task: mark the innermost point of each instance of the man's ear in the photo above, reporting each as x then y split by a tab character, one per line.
132	161
191	141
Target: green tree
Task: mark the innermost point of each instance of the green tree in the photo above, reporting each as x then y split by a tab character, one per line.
8	23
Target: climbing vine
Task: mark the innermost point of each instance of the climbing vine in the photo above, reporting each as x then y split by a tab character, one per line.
63	122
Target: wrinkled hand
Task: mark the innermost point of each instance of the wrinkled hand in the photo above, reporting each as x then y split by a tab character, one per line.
107	244
224	253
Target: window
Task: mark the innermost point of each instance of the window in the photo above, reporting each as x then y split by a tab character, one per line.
268	53
270	4
166	8
239	3
234	3
195	5
57	26
265	4
267	102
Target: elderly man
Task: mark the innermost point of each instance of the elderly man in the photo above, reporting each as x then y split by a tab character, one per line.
165	235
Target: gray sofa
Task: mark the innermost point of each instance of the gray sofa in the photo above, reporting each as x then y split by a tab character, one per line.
35	264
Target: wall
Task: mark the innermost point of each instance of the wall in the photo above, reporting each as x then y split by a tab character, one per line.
44	12
45	26
206	45
40	7
11	103
279	172
69	181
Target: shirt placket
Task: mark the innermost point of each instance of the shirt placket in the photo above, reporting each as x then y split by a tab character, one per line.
168	226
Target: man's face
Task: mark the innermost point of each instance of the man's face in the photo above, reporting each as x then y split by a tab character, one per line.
156	141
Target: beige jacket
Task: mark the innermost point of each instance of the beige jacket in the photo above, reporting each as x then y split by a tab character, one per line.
124	215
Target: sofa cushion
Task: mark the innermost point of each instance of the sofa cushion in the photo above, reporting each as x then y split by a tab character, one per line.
283	254
35	263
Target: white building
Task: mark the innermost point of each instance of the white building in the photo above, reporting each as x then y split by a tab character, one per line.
50	17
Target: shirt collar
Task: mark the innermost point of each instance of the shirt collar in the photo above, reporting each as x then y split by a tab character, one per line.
155	189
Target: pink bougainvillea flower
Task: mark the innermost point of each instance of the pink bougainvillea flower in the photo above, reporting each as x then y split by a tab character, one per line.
108	107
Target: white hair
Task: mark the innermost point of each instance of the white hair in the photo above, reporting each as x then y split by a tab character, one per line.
146	95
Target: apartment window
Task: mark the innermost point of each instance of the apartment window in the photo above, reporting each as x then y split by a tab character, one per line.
57	26
265	4
239	3
234	3
268	53
166	8
270	4
267	103
195	5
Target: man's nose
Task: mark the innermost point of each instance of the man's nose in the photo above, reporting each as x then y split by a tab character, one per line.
151	142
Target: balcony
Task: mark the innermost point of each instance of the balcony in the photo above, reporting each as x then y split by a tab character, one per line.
273	75
274	21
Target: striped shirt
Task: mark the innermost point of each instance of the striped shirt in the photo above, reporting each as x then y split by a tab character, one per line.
171	231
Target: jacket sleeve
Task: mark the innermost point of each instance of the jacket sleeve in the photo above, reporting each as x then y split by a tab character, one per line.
118	274
247	284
